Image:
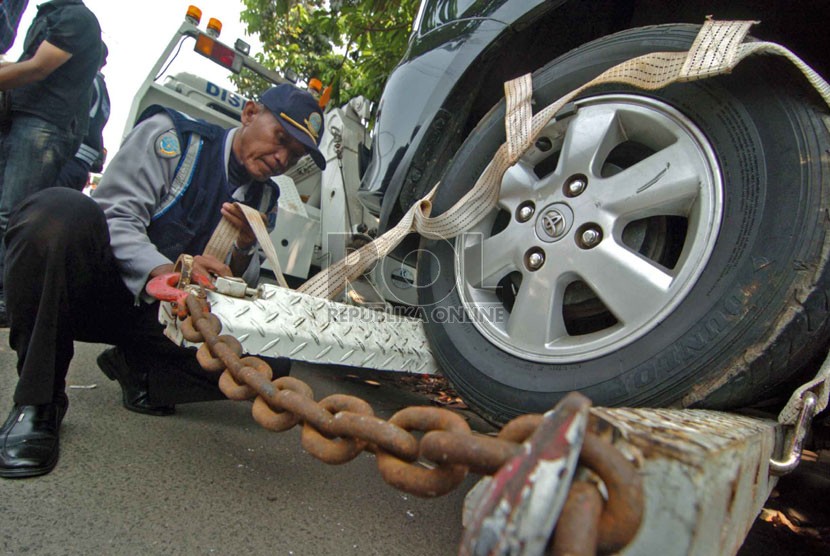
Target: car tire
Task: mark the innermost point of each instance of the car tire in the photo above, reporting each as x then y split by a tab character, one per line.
705	296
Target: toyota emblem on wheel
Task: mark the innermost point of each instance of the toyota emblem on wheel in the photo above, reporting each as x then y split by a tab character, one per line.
553	222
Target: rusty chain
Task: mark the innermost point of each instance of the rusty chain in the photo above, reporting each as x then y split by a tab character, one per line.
339	427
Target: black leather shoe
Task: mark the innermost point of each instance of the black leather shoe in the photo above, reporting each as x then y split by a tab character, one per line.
29	442
133	384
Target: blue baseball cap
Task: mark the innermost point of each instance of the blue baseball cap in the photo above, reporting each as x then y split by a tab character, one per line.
300	115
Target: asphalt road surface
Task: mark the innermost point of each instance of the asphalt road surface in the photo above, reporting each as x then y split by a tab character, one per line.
209	480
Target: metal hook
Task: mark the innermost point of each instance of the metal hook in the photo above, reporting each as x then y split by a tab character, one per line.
793	454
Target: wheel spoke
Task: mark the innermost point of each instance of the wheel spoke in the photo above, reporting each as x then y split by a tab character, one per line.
517	186
666	183
630	286
488	261
590	137
536	318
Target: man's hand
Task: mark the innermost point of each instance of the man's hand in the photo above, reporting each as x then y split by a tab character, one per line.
236	217
210	266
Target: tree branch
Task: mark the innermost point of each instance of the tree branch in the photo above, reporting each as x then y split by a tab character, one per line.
385	29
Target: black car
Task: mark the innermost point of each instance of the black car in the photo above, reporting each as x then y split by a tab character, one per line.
664	248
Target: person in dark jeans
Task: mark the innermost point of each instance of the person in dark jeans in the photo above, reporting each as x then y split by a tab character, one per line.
50	87
77	266
91	154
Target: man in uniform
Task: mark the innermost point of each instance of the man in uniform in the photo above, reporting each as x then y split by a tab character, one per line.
77	267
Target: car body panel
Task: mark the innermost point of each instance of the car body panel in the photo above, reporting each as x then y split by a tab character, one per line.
434	65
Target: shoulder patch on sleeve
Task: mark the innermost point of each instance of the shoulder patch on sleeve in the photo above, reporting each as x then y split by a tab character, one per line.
167	145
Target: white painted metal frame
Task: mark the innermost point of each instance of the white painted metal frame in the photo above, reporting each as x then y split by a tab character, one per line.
705	473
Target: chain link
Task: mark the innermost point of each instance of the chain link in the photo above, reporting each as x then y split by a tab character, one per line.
340	427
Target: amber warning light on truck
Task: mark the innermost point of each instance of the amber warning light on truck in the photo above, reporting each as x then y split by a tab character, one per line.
193	15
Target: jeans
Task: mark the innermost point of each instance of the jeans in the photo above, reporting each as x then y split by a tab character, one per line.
32	153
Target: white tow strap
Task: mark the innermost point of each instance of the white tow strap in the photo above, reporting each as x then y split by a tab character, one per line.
221	242
820	386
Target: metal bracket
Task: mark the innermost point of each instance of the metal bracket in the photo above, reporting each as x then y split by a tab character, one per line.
235	287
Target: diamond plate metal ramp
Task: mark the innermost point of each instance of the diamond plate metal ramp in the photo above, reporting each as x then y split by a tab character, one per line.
286	323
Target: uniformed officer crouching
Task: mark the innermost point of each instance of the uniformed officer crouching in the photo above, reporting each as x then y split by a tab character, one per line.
76	267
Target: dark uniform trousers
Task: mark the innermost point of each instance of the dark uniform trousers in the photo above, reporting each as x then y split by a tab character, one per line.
62	285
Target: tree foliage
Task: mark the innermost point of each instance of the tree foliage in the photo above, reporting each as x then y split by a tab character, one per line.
351	45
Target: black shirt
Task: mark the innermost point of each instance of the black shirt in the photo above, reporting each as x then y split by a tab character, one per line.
63	97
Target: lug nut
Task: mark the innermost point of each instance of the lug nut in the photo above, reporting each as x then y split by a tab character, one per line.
525	211
591	237
534	259
576	185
